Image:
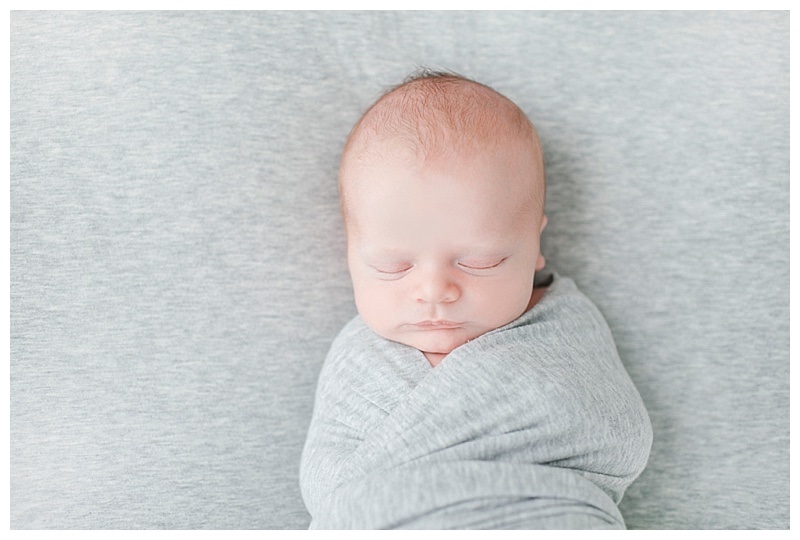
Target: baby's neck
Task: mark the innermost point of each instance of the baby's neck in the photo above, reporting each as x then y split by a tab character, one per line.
434	358
536	295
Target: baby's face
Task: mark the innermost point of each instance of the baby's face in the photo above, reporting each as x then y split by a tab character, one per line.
443	252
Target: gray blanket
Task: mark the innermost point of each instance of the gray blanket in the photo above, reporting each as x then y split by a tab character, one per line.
533	425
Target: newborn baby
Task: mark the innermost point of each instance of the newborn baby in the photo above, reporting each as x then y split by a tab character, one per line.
442	187
463	395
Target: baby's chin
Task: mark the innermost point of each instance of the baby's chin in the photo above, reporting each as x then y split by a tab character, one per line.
435	341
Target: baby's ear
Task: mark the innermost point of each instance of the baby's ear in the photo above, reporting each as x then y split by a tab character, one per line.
540	262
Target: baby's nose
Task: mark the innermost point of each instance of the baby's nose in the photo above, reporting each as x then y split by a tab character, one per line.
436	288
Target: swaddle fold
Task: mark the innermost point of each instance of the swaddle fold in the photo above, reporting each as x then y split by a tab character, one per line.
533	425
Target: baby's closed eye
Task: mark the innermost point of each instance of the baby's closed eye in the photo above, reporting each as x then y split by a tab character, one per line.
475	266
482	264
393	270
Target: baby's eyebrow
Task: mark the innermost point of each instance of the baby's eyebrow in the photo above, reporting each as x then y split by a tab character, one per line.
488	249
381	253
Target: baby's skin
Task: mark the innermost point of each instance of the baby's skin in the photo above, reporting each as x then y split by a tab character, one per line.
443	229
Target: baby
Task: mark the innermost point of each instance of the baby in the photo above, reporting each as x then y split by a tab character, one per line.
442	189
462	395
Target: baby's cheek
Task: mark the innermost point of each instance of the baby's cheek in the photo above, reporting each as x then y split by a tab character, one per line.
505	301
375	307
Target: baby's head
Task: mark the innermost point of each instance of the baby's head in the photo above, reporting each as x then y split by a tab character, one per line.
442	187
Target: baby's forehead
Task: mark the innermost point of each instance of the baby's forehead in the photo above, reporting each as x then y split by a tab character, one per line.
498	181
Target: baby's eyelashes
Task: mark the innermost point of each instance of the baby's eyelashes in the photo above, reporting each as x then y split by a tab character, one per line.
482	265
392	272
471	266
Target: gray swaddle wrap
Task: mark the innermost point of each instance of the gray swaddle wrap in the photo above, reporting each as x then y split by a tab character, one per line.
533	425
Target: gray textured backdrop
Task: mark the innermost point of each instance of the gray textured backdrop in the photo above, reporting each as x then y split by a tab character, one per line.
177	261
